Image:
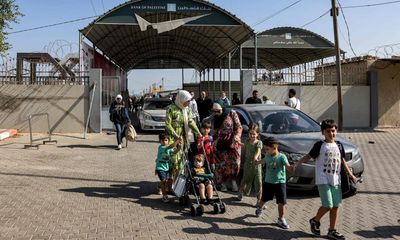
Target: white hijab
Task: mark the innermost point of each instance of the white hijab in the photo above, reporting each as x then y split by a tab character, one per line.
182	97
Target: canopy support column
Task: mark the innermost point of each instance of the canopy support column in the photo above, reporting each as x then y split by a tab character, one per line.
214	84
255	57
183	78
220	75
229	75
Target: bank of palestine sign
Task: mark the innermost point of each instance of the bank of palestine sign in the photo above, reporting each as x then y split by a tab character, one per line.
200	15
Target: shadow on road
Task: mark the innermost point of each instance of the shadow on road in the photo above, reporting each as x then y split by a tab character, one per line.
251	229
381	232
140	192
378	193
88	146
129	190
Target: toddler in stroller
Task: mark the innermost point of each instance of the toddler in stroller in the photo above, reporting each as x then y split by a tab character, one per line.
202	180
200	183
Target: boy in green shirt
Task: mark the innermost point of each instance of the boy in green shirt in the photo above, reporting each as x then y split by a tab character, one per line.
164	155
275	179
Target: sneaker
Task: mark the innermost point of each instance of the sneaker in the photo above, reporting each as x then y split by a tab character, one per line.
314	225
335	235
240	196
165	199
282	223
119	146
258	211
257	204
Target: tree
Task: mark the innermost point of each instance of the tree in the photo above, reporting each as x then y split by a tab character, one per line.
9	13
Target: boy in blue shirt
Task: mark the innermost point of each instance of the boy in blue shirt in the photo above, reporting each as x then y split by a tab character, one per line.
275	179
164	155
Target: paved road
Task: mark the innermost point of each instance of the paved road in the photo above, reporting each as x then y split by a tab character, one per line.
84	189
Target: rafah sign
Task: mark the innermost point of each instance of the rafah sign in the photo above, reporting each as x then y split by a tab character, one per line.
199	14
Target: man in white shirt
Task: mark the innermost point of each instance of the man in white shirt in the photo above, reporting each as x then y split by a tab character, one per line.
193	108
293	102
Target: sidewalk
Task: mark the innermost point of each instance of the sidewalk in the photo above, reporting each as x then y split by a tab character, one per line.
85	189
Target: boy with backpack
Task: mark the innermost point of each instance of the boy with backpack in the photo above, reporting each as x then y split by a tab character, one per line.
329	158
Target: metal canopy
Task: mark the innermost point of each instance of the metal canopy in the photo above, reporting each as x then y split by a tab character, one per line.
283	47
149	34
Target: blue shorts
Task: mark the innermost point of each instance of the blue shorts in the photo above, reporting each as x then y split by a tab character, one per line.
163	175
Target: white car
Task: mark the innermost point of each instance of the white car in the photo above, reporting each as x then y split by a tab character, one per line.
153	113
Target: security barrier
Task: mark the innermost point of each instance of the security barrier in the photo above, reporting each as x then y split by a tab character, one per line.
46	139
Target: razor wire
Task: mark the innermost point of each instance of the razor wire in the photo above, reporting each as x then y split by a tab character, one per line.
386	51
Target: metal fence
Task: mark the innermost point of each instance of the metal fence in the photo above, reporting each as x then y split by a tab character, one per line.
321	72
39	74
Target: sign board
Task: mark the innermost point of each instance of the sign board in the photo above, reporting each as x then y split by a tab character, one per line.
126	14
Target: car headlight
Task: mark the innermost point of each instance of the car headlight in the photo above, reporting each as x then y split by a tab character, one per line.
293	157
147	116
355	154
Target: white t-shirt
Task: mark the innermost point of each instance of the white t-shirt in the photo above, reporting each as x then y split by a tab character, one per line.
193	108
327	164
294	103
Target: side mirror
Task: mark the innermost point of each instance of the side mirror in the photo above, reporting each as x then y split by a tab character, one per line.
245	128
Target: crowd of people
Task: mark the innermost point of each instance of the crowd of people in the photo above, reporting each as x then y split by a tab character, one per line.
211	132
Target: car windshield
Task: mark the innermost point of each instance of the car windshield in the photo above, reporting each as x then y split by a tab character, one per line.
156	105
284	121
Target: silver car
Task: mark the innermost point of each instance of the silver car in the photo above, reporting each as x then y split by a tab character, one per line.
152	114
296	133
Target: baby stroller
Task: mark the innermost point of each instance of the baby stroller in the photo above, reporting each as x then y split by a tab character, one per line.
186	184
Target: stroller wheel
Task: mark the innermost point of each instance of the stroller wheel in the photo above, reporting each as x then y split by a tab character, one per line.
193	211
200	210
222	208
216	208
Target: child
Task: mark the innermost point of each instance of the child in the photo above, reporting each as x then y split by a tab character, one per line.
252	173
165	152
206	142
202	178
328	161
275	179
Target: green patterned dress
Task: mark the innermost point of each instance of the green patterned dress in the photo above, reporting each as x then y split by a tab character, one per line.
174	125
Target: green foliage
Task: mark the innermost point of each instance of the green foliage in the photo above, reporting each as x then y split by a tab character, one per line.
9	12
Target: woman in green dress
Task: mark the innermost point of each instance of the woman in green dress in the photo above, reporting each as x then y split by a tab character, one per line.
179	124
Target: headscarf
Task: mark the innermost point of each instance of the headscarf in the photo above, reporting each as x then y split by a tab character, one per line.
118	96
218	120
182	97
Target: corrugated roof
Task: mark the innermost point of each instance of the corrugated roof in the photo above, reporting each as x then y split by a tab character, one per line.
197	44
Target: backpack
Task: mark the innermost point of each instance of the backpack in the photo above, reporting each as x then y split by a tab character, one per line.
130	133
348	187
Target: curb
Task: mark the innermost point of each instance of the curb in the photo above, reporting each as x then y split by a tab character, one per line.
6	133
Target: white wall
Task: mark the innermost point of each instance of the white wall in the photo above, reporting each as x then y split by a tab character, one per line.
320	102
